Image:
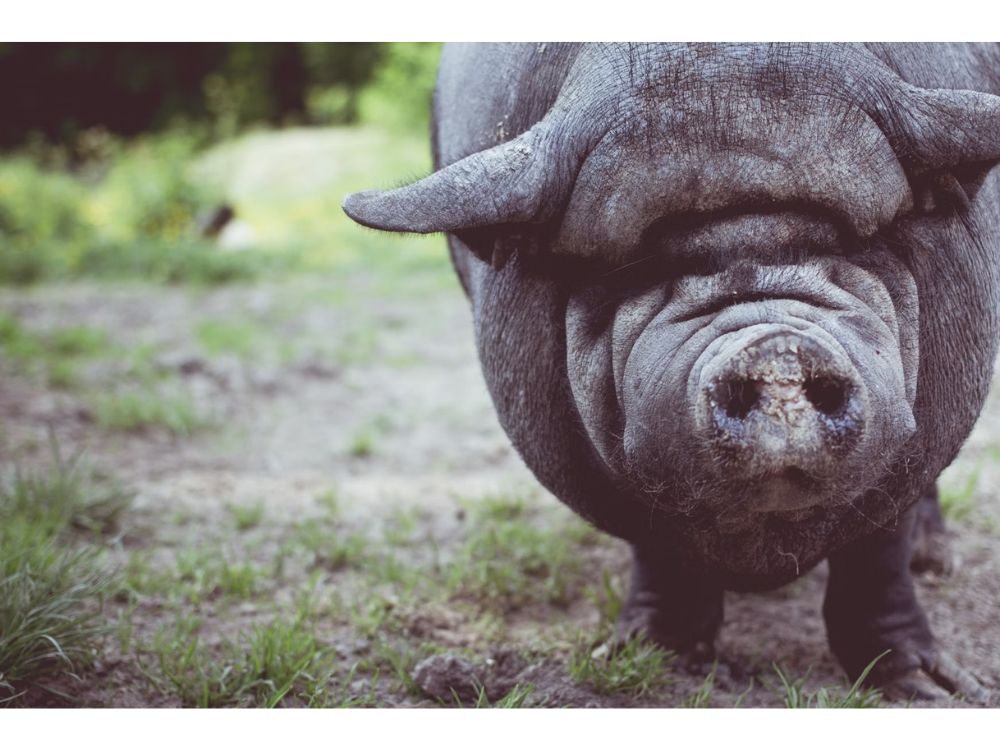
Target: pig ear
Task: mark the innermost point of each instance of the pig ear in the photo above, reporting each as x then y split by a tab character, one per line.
955	131
502	185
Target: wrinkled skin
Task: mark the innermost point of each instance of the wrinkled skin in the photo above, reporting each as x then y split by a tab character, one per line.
736	304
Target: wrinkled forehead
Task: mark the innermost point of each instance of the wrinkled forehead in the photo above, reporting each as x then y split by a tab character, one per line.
741	129
642	133
781	70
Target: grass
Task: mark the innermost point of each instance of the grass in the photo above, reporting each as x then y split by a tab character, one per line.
161	261
401	527
197	575
133	411
958	502
363	441
281	662
65	496
362	444
515	698
78	341
702	697
609	600
329	546
507	561
50	620
147	399
207	573
54	355
227	337
329	501
342	695
247	517
358	346
52	584
395	658
389	568
140	577
795	694
633	669
371	616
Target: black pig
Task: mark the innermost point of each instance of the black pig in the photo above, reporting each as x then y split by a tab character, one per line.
736	304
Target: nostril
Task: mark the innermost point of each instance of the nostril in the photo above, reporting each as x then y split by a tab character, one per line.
741	396
828	395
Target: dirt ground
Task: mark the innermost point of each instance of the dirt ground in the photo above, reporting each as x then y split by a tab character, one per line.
371	391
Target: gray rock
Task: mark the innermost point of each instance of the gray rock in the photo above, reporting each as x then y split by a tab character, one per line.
446	677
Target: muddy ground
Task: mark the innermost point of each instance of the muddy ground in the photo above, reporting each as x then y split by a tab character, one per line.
352	405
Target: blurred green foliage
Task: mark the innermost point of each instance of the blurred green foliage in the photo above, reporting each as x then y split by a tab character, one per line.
137	219
399	95
63	90
98	204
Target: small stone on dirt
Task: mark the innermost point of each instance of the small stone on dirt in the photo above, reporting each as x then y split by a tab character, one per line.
448	676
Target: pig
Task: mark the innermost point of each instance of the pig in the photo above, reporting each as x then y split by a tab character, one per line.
736	304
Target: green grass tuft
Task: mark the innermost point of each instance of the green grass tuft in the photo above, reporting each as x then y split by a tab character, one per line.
50	620
507	561
959	502
51	587
609	601
247	517
633	669
796	696
133	411
514	699
702	697
208	573
362	444
65	495
276	663
230	337
329	547
54	355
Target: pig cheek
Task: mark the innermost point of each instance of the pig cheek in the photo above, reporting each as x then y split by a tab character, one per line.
891	381
889	327
592	385
600	334
659	421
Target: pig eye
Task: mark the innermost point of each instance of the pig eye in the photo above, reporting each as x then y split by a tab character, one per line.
850	244
940	193
636	273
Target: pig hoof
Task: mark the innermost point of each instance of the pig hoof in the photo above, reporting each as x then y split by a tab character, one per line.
940	677
932	552
641	622
700	660
695	656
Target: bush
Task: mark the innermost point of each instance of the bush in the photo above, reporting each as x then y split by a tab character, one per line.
134	216
147	193
39	205
37	209
400	95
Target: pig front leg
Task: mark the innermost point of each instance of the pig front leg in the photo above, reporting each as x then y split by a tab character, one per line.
871	607
674	606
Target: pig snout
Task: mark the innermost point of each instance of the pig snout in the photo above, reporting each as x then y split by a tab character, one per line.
781	397
781	408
